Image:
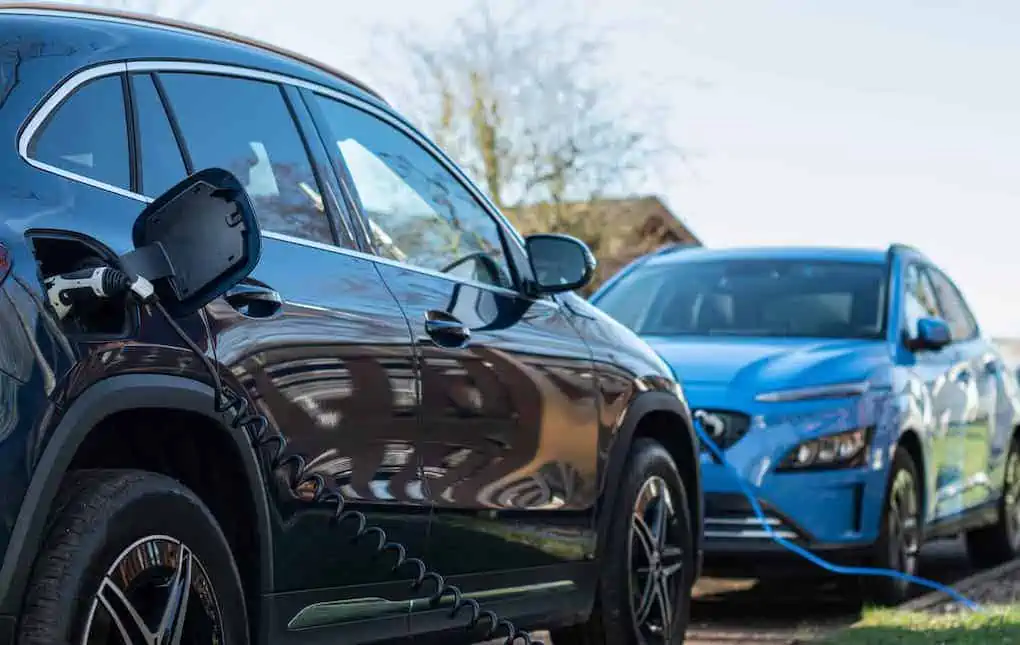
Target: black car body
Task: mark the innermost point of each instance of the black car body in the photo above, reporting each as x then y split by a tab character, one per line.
496	461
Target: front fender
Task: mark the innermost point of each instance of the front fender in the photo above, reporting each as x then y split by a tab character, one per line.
109	396
688	460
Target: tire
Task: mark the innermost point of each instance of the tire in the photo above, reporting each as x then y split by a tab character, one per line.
901	534
649	470
999	543
119	535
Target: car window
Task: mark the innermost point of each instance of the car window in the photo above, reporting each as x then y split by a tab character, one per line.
919	299
961	322
416	210
73	139
246	127
162	165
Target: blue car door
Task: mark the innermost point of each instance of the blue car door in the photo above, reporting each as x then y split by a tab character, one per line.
976	373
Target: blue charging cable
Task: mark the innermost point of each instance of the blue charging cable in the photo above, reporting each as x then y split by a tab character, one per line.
811	557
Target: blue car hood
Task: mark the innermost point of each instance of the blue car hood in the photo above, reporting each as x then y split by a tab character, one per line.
758	364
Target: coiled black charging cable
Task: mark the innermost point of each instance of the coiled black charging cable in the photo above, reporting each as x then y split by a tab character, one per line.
112	283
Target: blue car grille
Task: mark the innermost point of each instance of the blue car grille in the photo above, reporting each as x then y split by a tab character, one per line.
725	427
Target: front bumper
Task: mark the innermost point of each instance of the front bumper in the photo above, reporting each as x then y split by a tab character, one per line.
737	545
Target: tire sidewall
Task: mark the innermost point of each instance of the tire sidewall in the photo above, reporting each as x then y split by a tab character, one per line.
152	506
888	589
647	459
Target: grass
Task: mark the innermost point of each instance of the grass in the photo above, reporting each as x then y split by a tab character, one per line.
995	626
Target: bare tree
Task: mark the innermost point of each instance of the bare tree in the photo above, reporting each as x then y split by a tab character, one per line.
522	102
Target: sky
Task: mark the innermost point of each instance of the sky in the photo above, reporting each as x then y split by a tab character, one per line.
824	122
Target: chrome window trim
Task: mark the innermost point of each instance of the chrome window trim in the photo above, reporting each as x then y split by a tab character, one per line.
57	97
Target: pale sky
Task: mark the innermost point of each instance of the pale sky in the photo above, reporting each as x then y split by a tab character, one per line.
836	122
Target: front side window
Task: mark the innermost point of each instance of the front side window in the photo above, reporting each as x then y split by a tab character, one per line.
918	299
961	322
416	210
799	298
246	127
87	134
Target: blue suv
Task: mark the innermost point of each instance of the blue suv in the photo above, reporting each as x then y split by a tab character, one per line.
851	388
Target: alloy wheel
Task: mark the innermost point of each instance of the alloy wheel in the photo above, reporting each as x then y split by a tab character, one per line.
156	593
904	524
656	562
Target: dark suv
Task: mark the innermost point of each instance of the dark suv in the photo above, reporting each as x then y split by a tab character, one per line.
424	361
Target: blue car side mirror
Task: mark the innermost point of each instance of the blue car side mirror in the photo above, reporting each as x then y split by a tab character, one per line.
932	334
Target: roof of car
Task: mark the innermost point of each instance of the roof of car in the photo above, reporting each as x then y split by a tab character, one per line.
102	13
839	254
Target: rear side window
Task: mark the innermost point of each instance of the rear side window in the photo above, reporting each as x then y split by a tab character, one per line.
162	165
246	127
87	134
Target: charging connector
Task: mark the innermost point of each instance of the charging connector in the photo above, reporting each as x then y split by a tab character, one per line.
745	489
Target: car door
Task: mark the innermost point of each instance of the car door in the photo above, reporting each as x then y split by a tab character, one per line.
978	374
936	369
510	428
318	341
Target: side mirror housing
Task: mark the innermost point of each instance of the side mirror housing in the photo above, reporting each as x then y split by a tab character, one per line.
932	334
196	241
559	262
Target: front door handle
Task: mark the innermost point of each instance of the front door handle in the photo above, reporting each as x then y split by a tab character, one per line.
446	330
254	300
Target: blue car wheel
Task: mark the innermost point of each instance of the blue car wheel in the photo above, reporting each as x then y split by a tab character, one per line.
900	534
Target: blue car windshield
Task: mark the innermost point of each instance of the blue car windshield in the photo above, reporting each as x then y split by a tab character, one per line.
802	298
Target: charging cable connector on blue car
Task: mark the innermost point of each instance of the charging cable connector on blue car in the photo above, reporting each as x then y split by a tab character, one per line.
804	553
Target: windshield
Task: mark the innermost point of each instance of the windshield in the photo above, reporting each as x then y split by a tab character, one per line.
805	298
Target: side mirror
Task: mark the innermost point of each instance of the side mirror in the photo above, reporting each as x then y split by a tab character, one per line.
932	333
559	262
196	241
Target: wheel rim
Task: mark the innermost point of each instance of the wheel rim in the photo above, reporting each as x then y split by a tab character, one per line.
904	523
156	593
656	555
1011	499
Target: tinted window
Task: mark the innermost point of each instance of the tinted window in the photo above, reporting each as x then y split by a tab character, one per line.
417	211
918	299
954	309
246	127
87	134
751	298
162	163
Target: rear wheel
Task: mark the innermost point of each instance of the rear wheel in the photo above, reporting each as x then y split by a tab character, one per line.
1000	542
133	557
644	590
900	535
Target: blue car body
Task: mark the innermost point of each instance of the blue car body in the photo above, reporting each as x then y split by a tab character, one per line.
830	354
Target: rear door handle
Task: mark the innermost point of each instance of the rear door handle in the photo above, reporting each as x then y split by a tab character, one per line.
446	330
254	300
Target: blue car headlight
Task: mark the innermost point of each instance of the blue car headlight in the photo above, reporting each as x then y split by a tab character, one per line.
847	449
837	425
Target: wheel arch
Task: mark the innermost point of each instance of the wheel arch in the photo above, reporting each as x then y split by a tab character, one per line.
99	402
663	417
910	440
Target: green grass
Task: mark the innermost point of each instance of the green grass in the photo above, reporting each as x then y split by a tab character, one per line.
994	626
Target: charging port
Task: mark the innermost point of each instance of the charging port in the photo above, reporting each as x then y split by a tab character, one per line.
59	253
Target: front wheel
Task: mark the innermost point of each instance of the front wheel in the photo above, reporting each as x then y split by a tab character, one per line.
133	557
644	590
993	545
900	535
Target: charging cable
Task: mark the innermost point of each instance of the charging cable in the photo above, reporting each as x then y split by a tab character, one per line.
804	553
